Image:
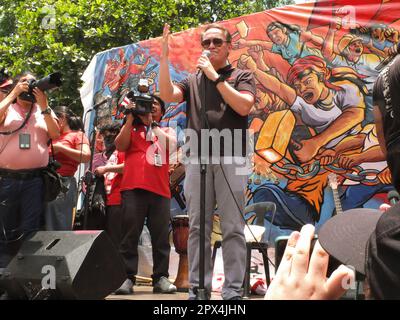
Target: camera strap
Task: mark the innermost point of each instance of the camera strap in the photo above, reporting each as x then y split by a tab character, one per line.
7	133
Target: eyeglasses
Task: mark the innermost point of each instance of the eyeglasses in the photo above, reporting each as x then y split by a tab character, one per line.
216	41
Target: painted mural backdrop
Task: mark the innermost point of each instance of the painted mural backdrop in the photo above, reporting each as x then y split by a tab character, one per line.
315	65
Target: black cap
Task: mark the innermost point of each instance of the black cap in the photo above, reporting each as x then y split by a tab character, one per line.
345	236
369	241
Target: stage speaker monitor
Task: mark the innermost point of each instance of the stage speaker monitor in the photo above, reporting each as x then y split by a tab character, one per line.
64	265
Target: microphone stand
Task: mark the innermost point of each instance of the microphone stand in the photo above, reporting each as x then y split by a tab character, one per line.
201	292
89	175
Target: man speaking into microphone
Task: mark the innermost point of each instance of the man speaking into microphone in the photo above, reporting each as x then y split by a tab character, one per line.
227	95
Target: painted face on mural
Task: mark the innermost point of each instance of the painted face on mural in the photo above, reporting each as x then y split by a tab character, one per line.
214	40
309	87
355	48
277	36
376	33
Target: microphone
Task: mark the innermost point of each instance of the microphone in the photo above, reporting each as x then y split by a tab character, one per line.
207	54
106	100
393	197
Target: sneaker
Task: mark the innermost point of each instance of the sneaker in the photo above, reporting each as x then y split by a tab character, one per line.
125	288
163	285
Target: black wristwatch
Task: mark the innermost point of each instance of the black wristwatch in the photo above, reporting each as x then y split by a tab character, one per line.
221	78
46	111
154	124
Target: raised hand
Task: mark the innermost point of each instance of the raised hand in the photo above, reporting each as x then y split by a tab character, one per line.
165	41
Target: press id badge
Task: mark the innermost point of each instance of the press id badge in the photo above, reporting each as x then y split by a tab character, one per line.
157	160
24	141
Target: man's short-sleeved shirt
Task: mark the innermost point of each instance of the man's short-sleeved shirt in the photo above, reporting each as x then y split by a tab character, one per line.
219	114
37	155
140	171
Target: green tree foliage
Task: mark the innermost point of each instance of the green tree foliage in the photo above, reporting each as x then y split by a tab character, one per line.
44	36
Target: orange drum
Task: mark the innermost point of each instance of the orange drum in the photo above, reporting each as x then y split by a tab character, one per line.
180	233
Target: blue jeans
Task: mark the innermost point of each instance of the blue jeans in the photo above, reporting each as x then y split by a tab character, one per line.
21	205
58	214
356	195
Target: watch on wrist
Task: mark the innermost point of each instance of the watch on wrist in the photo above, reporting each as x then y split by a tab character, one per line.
220	78
46	111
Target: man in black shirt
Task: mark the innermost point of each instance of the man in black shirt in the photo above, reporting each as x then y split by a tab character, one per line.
386	97
227	95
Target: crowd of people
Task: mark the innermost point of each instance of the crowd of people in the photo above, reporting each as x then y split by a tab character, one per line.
133	159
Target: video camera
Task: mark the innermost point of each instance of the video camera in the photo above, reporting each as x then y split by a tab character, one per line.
143	101
50	82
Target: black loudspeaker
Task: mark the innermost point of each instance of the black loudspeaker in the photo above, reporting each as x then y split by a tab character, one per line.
64	265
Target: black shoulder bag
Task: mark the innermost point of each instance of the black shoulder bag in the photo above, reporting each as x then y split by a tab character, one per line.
52	182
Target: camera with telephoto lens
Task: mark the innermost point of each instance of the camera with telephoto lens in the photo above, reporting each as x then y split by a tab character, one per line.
50	82
142	99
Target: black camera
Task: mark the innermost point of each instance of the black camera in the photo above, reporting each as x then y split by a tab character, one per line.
143	100
50	82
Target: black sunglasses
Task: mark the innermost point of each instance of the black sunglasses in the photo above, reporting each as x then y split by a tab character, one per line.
216	41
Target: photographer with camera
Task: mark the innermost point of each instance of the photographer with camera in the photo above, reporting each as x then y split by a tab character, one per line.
145	189
25	128
70	149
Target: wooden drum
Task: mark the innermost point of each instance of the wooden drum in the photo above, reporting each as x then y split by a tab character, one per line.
180	232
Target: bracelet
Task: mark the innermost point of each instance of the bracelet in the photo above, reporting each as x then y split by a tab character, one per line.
46	111
220	78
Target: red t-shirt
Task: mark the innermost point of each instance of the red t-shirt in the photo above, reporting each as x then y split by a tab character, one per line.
71	139
140	172
113	180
